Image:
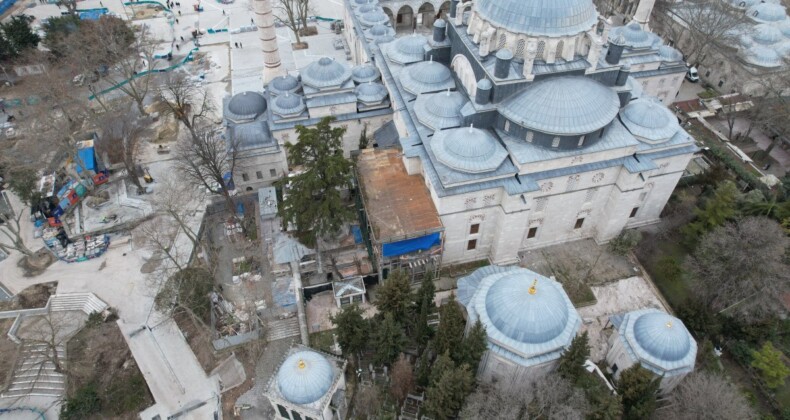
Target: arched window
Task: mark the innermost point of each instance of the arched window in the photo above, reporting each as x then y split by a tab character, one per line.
581	142
520	49
502	42
558	53
530	136
507	126
555	142
541	48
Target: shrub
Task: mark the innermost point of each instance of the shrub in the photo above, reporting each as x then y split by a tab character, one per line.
85	401
625	242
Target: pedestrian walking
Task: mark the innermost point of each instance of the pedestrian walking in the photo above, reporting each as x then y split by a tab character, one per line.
179	13
182	39
176	20
252	21
236	44
223	12
178	47
241	46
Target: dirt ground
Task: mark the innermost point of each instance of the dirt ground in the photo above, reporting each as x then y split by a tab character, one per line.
8	349
37	265
98	354
33	297
199	340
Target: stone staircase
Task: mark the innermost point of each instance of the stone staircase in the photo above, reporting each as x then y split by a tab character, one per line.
85	302
34	372
282	328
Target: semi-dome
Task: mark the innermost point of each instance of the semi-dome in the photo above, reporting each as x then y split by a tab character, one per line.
282	84
440	110
408	49
425	77
766	12
325	72
375	17
763	56
288	104
371	92
364	73
766	34
662	335
305	377
468	149
649	120
668	53
246	105
539	17
563	105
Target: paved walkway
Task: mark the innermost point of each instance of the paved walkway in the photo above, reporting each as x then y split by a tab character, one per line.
762	141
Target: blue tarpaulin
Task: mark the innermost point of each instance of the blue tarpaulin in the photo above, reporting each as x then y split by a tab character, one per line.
410	245
357	234
86	158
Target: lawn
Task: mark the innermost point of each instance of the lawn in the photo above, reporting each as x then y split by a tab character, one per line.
323	341
661	259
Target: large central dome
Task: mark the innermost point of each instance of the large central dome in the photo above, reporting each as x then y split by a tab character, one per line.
539	17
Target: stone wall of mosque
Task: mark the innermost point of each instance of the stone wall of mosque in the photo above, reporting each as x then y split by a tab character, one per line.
494	367
261	170
353	128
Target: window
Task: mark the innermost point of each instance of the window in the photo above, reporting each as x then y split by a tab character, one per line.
560	47
555	142
707	73
541	48
721	83
502	42
540	204
507	126
245	177
530	136
472	244
474	229
579	223
520	48
633	212
283	412
600	133
295	415
642	196
581	142
272	173
533	232
259	174
571	183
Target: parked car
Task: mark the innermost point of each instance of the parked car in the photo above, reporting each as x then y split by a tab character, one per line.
692	75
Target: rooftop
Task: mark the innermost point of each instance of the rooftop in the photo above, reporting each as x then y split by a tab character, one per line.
398	204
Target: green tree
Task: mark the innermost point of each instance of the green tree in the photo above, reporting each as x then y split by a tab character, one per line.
352	329
450	333
394	296
715	211
313	200
17	37
443	363
57	31
188	290
424	368
474	345
389	340
424	303
768	360
446	396
638	388
573	358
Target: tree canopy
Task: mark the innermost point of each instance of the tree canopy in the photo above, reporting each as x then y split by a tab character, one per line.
388	339
769	361
572	360
638	388
450	333
352	329
394	296
16	36
708	396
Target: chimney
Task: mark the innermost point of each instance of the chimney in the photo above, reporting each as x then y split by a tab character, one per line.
439	26
272	67
502	65
615	50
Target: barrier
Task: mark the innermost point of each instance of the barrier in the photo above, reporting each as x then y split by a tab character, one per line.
186	59
134	3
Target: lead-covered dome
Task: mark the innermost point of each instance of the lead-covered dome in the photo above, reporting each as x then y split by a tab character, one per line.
649	120
282	84
659	341
364	73
375	17
440	110
325	72
669	54
763	56
468	149
766	12
305	377
632	36
371	92
408	49
288	104
766	34
563	105
246	106
539	17
427	76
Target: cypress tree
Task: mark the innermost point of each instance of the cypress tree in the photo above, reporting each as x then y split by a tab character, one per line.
573	358
389	340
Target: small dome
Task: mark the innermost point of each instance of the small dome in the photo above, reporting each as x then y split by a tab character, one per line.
305	377
743	4
662	336
370	7
380	34
763	56
324	73
282	84
766	12
376	17
539	17
246	105
563	105
632	35
362	2
784	27
408	49
668	53
440	110
288	104
427	76
766	34
468	149
650	120
504	54
371	92
364	73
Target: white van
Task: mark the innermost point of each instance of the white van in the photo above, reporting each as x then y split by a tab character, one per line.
692	75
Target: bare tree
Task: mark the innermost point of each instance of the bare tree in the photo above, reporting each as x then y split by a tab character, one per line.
740	267
402	379
11	233
175	203
189	102
367	401
123	131
296	13
159	237
707	396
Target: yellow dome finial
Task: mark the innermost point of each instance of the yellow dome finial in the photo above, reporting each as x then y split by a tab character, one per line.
301	364
533	289
669	324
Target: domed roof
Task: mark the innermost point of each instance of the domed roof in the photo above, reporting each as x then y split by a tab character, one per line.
439	23
371	92
763	56
427	76
766	12
742	4
766	34
408	49
649	120
325	72
468	149
440	110
539	17
246	105
668	53
288	104
375	17
365	73
784	27
305	377
380	34
282	84
361	2
563	105
632	35
662	335
370	7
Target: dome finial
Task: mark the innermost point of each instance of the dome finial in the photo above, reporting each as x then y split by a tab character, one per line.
533	289
471	127
669	324
301	364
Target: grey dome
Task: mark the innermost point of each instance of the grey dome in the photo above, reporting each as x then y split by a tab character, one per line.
668	53
766	12
784	27
504	54
563	105
380	34
364	73
371	92
650	120
288	104
370	7
440	110
425	77
632	35
408	49
246	105
742	4
376	17
324	73
763	56
282	84
468	149
362	2
766	34
662	335
539	17
305	377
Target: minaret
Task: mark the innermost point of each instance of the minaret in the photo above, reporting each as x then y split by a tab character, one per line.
271	54
643	11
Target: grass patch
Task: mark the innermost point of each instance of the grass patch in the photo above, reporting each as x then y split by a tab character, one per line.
322	340
458	270
708	93
663	265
